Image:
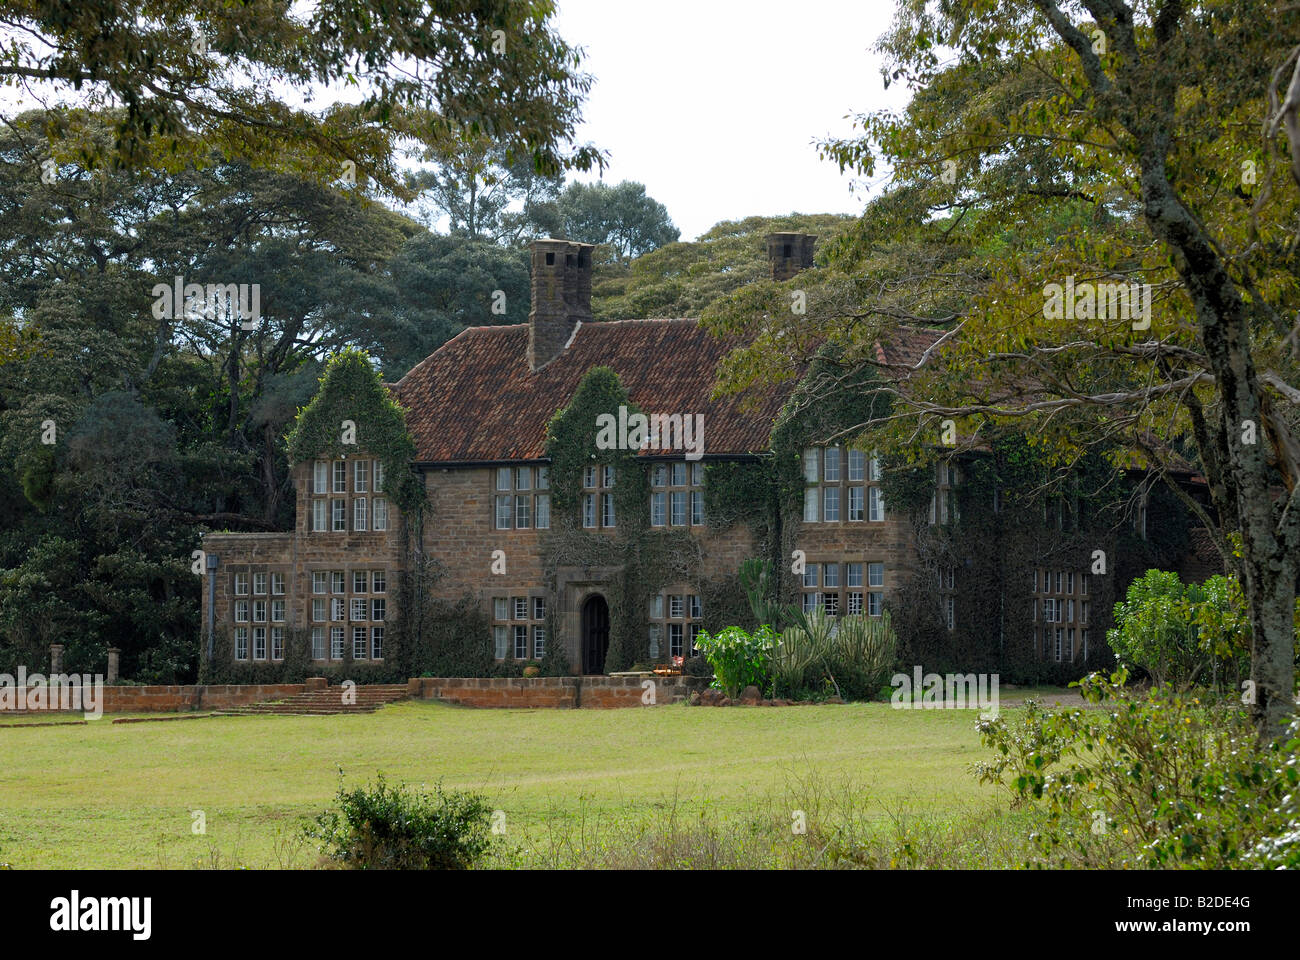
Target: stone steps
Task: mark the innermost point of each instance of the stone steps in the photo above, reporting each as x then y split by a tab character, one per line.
323	703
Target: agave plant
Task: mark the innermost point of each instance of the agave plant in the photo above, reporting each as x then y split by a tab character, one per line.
804	652
756	580
859	650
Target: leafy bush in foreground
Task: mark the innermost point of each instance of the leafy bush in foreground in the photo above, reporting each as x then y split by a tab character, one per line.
1162	781
395	828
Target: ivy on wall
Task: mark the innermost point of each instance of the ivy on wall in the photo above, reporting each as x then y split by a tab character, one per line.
829	402
1015	512
645	559
352	391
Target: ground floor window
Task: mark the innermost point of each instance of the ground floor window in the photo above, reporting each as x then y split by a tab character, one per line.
851	587
518	627
675	621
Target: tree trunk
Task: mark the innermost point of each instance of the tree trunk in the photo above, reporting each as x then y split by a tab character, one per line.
1270	536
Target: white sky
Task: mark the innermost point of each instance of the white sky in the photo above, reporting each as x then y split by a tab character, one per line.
715	104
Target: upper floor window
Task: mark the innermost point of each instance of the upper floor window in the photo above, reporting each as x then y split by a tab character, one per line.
598	498
521	501
676	494
330	510
841	484
943	502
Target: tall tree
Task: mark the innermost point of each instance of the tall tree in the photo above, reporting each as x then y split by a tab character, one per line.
621	218
485	193
1079	147
200	77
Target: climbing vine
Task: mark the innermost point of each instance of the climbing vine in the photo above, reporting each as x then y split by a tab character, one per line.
353	411
640	559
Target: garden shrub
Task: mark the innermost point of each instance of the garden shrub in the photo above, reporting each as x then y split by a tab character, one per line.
863	651
1166	780
1185	634
739	659
395	828
853	655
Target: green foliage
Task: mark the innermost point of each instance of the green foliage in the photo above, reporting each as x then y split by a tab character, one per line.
647	559
1183	634
740	659
621	218
424	78
854	655
490	198
396	828
571	446
1162	782
351	389
681	279
441	285
740	492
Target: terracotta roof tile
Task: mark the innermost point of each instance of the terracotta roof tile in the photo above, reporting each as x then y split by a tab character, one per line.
476	400
1202	559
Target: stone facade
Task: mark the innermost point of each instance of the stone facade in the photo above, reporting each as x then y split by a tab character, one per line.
477	410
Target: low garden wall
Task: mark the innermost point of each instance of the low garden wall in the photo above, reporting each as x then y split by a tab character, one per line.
165	699
560	692
520	692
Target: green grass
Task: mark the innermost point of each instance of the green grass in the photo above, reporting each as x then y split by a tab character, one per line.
105	795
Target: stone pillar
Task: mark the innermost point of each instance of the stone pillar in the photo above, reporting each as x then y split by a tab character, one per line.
113	654
56	658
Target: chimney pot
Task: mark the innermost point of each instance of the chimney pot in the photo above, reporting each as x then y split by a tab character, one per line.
788	253
561	297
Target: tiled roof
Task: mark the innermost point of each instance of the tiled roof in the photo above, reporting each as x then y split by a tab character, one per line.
906	344
476	400
1202	559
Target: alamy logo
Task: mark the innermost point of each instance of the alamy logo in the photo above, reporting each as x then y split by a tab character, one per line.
76	913
953	691
59	691
213	301
1098	301
658	431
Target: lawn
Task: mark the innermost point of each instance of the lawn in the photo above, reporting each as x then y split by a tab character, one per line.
124	795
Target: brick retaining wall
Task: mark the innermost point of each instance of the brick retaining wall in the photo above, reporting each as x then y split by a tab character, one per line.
518	692
561	692
166	699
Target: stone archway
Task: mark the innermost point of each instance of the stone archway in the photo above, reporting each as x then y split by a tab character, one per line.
595	634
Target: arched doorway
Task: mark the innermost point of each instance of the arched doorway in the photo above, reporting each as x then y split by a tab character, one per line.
595	634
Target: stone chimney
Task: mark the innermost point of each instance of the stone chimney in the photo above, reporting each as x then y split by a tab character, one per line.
561	297
788	253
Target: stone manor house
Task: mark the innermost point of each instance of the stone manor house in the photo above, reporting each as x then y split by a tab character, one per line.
477	410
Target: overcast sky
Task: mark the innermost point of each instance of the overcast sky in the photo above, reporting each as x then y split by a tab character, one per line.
715	104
